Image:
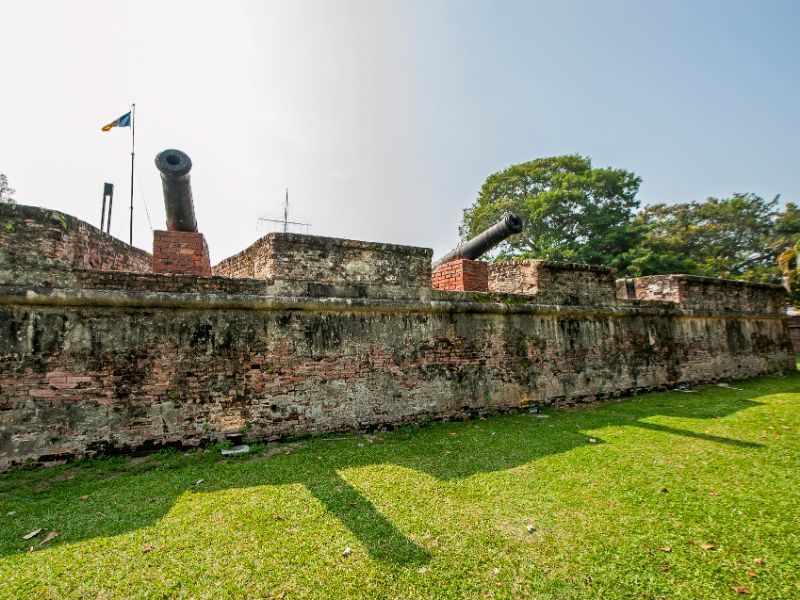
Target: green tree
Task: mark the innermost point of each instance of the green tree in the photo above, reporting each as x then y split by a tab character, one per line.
570	211
735	238
6	193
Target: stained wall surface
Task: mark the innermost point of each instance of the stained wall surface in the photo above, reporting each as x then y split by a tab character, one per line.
294	257
97	360
31	235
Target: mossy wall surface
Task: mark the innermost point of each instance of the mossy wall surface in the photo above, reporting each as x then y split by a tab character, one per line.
95	360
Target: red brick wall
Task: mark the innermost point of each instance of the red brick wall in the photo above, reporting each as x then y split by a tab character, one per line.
461	275
182	252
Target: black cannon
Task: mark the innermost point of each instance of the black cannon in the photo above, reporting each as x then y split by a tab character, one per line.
484	241
174	166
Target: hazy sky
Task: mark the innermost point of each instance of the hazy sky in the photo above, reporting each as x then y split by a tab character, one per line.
385	117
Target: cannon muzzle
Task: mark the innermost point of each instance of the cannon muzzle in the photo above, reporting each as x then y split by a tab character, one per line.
174	166
484	241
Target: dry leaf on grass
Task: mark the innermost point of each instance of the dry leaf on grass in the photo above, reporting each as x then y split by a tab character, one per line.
49	536
84	497
752	574
666	549
741	590
32	534
707	546
758	561
147	549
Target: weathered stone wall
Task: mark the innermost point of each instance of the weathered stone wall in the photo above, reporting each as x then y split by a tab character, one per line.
721	295
293	257
123	361
794	333
316	334
31	235
555	283
462	275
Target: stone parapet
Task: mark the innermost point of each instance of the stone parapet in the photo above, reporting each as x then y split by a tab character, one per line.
331	261
554	282
33	237
706	293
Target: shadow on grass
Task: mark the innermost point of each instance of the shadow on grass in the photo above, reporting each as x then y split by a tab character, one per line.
444	450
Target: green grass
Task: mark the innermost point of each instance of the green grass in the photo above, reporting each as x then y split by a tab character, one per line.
439	511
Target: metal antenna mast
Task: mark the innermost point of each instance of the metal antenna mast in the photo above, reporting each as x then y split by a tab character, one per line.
285	222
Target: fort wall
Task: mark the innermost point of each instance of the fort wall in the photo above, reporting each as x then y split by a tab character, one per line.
95	360
30	235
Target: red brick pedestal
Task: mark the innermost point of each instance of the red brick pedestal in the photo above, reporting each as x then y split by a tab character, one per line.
462	275
183	252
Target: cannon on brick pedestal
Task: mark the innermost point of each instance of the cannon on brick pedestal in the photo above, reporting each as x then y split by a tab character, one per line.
484	241
181	249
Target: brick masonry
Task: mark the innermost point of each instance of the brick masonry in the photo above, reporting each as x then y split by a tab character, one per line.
707	293
461	275
180	252
98	360
555	283
30	235
332	261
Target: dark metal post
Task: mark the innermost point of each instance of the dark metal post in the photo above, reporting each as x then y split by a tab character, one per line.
108	192
110	203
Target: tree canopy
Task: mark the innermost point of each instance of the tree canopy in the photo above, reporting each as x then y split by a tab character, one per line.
574	212
570	211
735	238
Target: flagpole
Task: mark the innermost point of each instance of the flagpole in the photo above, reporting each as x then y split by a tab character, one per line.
133	154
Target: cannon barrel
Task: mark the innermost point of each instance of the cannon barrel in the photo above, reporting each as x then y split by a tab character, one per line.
484	241
174	166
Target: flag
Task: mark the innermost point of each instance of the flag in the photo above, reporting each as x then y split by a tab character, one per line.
123	121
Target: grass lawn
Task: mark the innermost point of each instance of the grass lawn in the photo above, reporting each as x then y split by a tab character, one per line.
681	495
